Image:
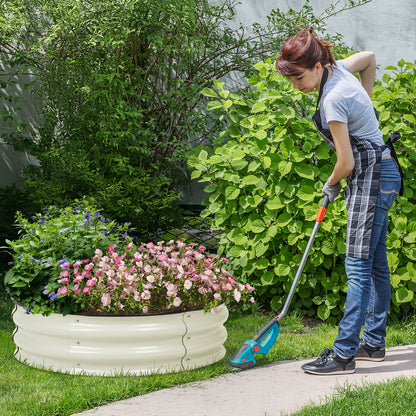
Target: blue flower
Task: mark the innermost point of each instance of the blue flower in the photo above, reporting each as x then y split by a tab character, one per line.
52	296
28	309
42	240
37	261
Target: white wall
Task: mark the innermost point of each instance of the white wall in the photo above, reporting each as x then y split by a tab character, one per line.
387	27
12	162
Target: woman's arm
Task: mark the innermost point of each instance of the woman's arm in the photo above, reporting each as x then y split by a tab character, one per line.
363	63
345	158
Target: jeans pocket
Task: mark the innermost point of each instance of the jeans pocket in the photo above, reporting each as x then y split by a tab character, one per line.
388	194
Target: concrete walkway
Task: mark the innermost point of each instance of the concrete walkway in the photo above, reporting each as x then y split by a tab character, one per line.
272	390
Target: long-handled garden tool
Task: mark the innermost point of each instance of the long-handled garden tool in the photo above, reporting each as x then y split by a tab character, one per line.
261	343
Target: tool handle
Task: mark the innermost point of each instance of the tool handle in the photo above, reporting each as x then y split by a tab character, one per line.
322	209
319	218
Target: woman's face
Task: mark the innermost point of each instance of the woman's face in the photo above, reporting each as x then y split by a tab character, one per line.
308	80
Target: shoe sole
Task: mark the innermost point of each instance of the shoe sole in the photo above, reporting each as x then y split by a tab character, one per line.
369	359
332	373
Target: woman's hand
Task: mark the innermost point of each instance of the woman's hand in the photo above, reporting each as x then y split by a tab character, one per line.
363	63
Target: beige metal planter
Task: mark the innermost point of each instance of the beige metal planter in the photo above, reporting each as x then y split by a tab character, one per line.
108	345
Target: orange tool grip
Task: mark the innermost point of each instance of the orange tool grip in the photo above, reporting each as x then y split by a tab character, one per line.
321	214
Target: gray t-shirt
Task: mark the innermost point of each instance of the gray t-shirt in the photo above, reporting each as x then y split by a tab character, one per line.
344	99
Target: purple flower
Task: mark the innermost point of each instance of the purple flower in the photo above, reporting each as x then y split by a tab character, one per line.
52	296
42	240
27	311
37	261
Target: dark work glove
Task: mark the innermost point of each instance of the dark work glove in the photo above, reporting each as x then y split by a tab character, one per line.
331	190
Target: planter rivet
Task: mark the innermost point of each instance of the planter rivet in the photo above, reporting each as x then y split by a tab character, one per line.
77	343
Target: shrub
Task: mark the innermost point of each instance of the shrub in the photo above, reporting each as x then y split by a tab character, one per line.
265	177
119	87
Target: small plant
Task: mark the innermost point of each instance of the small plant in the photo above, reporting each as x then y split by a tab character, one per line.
51	239
150	278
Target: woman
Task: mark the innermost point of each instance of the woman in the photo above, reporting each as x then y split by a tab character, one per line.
347	121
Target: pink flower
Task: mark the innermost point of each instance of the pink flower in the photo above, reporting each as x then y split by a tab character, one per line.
150	278
237	295
77	289
217	296
62	291
163	257
177	302
146	295
129	246
145	309
214	311
89	266
98	252
150	246
86	289
64	281
91	282
249	288
188	284
106	299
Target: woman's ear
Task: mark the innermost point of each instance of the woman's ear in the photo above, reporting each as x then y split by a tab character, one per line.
318	67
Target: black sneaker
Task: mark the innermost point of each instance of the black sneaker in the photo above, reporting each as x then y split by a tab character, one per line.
330	363
369	353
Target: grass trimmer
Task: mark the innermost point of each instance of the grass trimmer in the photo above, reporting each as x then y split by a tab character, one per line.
261	343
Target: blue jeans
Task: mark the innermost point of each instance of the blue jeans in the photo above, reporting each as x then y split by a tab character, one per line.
368	296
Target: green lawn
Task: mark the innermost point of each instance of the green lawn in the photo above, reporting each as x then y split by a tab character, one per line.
27	391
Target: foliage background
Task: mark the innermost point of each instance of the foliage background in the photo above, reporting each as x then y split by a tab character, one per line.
119	83
266	175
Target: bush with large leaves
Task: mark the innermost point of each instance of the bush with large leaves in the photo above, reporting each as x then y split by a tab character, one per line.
266	175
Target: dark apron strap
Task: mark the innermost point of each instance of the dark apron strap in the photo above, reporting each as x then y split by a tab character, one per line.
321	88
394	136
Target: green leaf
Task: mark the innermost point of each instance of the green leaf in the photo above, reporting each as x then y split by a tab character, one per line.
282	270
275	203
305	171
196	174
284	219
214	105
323	312
262	263
322	151
219	85
258	107
284	167
250	180
256	224
267	161
317	300
253	166
209	93
268	278
403	295
306	193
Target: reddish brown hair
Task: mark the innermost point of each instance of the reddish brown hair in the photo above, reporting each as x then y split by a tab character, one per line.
302	51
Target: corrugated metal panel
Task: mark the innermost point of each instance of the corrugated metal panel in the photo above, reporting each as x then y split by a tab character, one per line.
102	345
